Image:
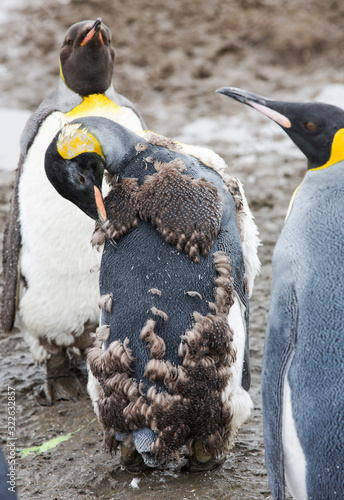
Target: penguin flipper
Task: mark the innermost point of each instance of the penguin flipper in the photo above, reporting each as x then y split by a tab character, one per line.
244	268
278	351
224	245
10	259
245	275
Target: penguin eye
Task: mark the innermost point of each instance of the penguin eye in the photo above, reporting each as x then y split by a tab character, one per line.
70	42
81	179
310	126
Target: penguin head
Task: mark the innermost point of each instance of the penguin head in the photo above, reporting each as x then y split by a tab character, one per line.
316	128
87	58
74	164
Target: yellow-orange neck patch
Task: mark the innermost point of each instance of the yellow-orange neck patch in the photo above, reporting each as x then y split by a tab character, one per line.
74	140
337	150
337	154
95	105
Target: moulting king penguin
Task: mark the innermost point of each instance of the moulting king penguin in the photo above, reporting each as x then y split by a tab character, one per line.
171	363
46	255
303	367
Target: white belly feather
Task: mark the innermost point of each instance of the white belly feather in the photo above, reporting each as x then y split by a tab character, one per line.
294	458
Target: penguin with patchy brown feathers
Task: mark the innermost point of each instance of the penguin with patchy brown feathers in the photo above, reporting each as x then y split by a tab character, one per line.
303	365
46	281
170	363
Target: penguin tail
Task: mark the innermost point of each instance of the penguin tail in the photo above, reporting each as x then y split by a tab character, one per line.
144	440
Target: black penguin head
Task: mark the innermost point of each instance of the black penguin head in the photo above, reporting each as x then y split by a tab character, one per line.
316	128
87	58
77	178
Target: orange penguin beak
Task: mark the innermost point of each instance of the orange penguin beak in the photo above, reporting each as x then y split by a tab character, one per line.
100	204
95	29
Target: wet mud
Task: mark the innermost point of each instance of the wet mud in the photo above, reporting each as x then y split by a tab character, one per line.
170	58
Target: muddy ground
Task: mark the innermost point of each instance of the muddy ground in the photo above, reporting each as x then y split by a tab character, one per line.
170	57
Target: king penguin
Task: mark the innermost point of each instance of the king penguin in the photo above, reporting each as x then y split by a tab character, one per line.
170	366
303	366
46	256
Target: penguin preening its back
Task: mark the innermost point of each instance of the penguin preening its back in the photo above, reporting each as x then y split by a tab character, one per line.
303	366
171	362
44	278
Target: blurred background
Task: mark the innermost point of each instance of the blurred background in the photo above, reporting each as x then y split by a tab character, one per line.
170	59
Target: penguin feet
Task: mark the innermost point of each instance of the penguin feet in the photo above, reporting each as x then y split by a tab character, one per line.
61	383
131	460
201	460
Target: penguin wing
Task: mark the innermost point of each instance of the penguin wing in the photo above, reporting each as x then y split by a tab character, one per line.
225	244
229	242
244	272
10	258
278	351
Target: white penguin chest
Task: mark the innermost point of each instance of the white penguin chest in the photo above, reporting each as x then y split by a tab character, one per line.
56	254
55	233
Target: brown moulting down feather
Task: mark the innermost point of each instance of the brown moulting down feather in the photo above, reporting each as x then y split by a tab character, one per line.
99	237
105	302
157	369
194	294
224	282
155	291
110	178
158	312
234	188
236	191
102	333
193	223
118	359
121	208
140	146
117	389
177	163
155	343
160	140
